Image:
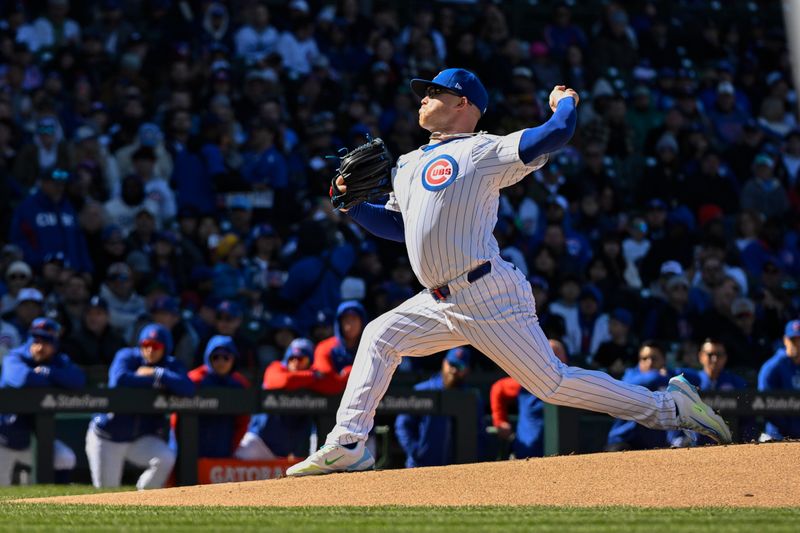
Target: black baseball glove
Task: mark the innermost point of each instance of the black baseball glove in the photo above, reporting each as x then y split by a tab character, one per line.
367	174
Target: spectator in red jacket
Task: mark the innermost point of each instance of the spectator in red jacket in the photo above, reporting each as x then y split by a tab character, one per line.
269	435
334	356
218	436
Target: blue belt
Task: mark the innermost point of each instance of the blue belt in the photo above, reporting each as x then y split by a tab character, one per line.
441	293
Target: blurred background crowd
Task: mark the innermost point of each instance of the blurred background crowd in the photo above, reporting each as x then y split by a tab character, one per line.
168	161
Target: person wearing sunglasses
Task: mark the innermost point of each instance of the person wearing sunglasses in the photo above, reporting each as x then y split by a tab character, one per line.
113	439
37	363
218	436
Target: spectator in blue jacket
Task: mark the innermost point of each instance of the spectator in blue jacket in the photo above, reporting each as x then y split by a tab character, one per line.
113	439
652	373
37	363
713	356
45	222
428	440
218	436
781	372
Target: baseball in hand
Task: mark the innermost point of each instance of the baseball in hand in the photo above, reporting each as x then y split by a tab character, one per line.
559	92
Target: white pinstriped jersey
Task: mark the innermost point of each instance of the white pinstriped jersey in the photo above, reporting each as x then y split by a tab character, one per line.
448	194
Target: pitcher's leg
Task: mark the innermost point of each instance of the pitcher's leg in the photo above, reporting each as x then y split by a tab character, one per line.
416	328
505	328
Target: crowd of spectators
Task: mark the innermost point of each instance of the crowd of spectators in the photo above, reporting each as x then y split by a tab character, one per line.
168	162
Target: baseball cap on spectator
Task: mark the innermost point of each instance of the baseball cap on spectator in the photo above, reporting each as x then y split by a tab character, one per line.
119	272
299	348
682	215
98	302
459	357
743	306
282	321
671	268
229	308
299	5
774	77
667	142
29	294
540	282
458	80
591	292
10	251
217	10
763	159
156	334
380	66
166	236
166	304
657	204
675	281
353	288
240	201
19	268
46	126
725	87
139	262
708	212
221	74
622	315
792	329
522	72
262	230
149	134
85	133
45	329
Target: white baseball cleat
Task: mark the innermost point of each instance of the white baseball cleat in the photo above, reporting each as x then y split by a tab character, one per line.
694	415
334	458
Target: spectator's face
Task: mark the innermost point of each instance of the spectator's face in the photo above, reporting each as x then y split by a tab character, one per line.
42	350
228	324
144	167
188	226
351	325
656	218
712	272
222	362
570	291
152	351
75	290
540	297
558	350
588	306
283	338
554	237
745	321
713	357
162	248
96	320
598	271
725	293
295	364
650	359
145	223
452	376
26	311
617	329
167	319
115	245
678	294
16	281
762	171
53	189
710	165
121	285
792	345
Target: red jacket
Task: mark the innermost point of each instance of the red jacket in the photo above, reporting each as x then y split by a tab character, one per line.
503	392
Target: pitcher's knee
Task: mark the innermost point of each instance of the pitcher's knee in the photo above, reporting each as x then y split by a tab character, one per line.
377	335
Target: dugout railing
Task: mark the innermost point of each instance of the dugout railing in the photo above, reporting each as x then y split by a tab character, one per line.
45	404
563	426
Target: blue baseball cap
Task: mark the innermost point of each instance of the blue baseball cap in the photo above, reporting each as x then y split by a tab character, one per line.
299	348
458	357
792	329
458	80
156	333
230	308
45	329
166	303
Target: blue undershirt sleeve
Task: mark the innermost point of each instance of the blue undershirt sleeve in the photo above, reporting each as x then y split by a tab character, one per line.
551	135
379	221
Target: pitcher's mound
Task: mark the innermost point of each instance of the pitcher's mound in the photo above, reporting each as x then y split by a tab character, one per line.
764	475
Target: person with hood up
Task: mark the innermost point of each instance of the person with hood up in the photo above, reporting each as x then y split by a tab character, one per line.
334	356
218	436
269	435
37	363
113	439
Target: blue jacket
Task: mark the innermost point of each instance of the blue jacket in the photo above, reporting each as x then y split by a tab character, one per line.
18	373
779	373
170	375
628	431
305	272
268	167
40	227
428	440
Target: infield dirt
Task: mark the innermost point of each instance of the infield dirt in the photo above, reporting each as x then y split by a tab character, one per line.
748	475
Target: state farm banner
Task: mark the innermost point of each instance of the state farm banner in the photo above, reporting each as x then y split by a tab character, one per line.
233	470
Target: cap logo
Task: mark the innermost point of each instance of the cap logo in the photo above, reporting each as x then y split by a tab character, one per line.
440	172
458	86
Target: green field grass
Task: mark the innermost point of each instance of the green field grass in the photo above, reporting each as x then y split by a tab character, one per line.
31	517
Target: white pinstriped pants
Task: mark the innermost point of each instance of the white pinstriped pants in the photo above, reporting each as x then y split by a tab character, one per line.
495	314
